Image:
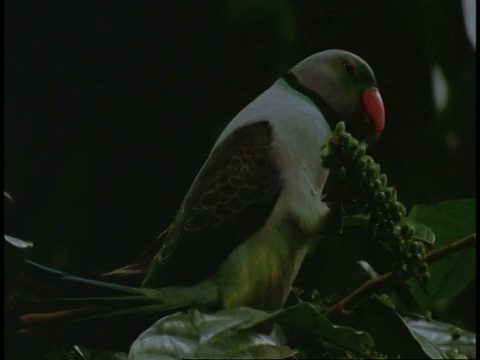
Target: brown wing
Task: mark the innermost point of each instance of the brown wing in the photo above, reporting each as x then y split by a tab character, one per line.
230	199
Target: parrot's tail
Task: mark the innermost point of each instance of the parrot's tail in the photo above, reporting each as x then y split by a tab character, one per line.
134	273
79	311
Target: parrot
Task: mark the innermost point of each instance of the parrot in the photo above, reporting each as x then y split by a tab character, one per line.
251	215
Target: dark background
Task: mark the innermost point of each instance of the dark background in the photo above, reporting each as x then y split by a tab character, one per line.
112	107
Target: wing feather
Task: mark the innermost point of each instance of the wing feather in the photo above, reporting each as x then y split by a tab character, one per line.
230	199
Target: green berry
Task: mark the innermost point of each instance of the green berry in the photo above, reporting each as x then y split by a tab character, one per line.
395	206
417	258
402	272
412	249
360	151
407	231
326	152
383	179
369	171
400	207
456	333
369	161
377	184
390	194
362	163
396	216
369	186
344	138
334	141
380	197
351	145
372	170
397	230
340	127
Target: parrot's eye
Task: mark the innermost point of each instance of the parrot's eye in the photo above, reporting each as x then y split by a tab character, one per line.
349	68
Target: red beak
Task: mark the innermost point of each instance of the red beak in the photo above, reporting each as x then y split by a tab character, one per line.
373	104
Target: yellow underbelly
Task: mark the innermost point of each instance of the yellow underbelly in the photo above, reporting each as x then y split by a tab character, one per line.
260	272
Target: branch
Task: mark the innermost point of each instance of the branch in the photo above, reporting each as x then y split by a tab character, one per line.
434	255
388	278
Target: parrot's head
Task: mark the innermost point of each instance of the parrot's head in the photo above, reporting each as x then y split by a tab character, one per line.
347	85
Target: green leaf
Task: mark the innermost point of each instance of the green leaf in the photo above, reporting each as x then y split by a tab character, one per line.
450	221
305	317
336	267
422	233
235	333
391	333
445	337
225	334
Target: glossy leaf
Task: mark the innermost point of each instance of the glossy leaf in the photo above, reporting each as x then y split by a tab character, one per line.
234	333
335	267
196	335
305	317
450	221
445	337
391	334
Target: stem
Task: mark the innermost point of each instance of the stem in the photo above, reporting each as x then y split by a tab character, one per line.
434	255
388	278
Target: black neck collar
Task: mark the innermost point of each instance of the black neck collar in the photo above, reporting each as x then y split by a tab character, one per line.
330	115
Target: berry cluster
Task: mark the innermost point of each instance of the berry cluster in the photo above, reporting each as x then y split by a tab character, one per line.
365	191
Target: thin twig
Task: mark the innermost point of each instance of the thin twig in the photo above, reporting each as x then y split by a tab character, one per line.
434	255
388	278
